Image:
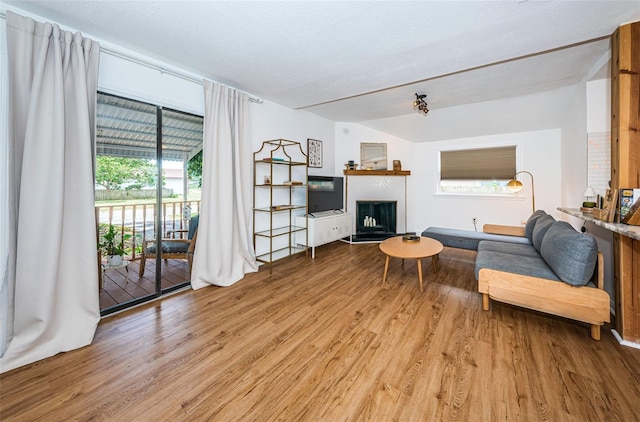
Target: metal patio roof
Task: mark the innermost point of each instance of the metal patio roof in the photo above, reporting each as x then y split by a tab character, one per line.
127	128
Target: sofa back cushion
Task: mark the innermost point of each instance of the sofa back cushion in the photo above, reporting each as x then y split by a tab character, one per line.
531	223
571	255
540	230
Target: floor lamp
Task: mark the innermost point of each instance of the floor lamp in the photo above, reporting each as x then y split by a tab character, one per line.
515	185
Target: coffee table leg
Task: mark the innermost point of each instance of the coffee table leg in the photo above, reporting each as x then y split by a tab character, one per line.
386	267
420	273
434	261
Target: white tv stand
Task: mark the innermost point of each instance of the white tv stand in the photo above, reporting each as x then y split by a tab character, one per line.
325	227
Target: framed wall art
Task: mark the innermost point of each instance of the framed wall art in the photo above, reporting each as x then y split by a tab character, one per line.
314	149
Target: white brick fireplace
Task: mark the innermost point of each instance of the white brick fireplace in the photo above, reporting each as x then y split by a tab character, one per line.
363	185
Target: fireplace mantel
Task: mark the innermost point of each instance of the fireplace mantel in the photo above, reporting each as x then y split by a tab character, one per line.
377	172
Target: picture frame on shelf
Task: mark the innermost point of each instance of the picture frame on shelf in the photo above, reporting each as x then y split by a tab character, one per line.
314	151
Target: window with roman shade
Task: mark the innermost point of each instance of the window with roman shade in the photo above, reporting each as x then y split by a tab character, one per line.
477	171
478	164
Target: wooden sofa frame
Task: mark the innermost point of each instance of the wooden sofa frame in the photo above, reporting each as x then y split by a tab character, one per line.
586	304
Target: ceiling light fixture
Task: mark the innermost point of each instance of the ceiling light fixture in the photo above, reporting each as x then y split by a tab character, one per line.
420	103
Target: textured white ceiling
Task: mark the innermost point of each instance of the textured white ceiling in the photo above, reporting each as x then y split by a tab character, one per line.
361	60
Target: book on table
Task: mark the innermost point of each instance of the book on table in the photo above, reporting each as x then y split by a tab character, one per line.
282	207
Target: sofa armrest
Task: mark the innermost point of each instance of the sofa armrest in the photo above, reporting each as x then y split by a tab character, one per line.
503	230
586	304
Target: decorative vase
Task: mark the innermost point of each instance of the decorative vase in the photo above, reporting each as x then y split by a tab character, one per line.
113	260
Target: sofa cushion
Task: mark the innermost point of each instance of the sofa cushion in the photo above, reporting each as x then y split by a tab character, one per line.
531	223
523	265
542	225
170	247
511	248
571	255
467	239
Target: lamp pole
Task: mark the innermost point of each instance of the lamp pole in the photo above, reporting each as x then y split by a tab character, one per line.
516	186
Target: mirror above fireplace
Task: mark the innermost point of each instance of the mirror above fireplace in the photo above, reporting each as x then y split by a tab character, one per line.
373	156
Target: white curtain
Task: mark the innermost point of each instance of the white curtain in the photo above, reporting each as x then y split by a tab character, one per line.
5	329
224	248
53	268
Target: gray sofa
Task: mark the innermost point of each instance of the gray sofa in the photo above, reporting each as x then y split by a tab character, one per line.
552	268
555	251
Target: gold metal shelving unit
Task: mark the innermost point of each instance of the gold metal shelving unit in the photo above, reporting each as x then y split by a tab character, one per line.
279	196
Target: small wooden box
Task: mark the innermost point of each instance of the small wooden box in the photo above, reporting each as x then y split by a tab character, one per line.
600	214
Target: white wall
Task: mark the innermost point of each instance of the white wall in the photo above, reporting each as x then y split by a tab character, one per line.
128	79
599	106
273	121
574	152
538	153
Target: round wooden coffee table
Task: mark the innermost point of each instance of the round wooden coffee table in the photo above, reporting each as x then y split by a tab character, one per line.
398	248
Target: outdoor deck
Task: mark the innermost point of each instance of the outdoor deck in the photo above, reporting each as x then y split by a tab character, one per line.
117	288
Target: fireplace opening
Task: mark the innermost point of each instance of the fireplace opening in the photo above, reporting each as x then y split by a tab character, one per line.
375	220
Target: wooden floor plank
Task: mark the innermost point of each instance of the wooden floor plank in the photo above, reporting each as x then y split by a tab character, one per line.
118	287
323	340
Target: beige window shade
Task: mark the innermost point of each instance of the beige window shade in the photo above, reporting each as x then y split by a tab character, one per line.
478	164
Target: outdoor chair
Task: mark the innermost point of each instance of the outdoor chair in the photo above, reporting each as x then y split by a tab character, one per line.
173	248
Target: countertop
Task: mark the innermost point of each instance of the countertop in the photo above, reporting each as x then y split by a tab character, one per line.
623	229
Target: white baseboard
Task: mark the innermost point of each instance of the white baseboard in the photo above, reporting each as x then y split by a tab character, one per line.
625	342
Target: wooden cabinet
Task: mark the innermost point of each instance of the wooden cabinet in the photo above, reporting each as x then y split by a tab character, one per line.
324	229
279	200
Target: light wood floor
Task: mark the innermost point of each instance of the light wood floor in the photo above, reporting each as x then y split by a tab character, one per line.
324	340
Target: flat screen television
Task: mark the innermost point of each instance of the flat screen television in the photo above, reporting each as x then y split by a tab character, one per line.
325	193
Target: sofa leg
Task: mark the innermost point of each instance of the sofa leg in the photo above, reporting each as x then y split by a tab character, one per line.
485	301
595	331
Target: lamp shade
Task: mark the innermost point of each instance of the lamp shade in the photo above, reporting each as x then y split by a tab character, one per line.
514	185
589	192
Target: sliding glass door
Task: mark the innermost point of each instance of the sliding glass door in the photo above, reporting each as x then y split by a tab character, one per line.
147	194
180	203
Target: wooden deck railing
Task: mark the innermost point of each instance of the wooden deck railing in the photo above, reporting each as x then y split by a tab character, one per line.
139	220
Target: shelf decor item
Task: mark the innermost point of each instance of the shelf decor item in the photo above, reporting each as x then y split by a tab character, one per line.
608	210
588	194
629	203
314	150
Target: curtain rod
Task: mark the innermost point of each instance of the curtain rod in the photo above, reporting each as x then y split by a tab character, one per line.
163	70
106	50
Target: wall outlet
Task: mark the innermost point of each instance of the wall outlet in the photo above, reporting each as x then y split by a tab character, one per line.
475	220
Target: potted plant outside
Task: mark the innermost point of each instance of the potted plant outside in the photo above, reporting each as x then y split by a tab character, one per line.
112	245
